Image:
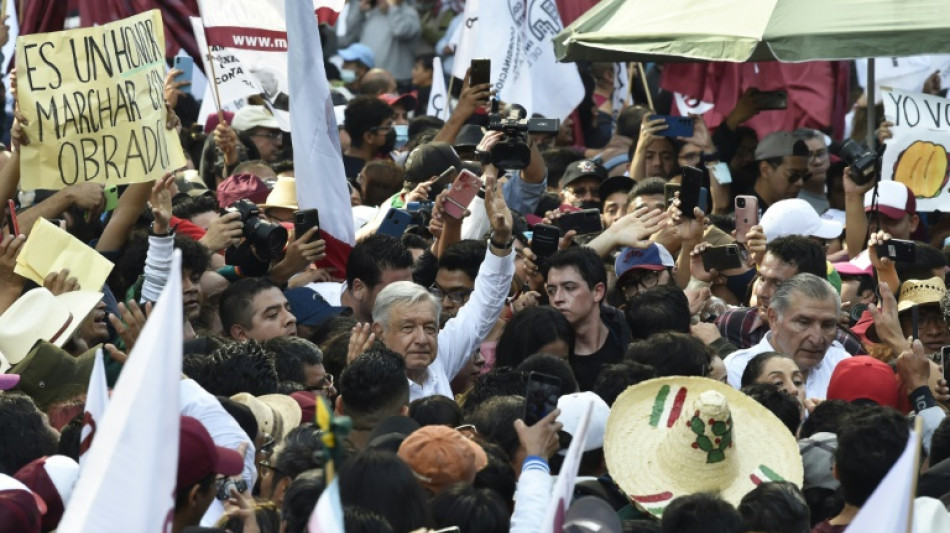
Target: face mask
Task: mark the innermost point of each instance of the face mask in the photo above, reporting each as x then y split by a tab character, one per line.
400	158
390	142
347	75
402	134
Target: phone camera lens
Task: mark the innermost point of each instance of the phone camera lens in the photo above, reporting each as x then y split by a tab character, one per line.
740	202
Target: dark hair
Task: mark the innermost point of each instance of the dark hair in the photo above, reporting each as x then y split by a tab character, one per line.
374	254
495	421
425	60
182	493
940	442
614	379
336	344
785	406
373	477
828	417
411	240
777	507
131	262
671	354
498	475
299	500
865	282
235	307
191	206
630	119
499	381
658	309
465	255
756	366
803	253
362	114
552	366
700	513
25	435
556	160
869	443
360	520
588	264
236	367
70	436
421	123
374	386
530	329
382	178
472	510
926	260
436	410
648	186
290	356
299	451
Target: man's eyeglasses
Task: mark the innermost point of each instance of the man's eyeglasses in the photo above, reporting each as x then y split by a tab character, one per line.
648	280
272	135
325	384
817	155
382	128
265	465
794	177
583	191
457	296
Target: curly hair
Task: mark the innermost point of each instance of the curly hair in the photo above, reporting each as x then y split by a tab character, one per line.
233	368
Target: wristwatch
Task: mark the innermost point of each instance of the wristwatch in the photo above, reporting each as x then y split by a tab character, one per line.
501	246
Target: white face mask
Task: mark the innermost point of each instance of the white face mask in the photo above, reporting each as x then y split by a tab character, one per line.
402	134
347	75
400	158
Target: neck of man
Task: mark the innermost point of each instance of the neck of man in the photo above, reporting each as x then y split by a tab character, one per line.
590	335
847	515
365	152
348	300
764	193
418	376
814	186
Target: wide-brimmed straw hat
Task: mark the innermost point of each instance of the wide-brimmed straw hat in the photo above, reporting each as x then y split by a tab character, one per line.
276	414
920	292
677	435
284	194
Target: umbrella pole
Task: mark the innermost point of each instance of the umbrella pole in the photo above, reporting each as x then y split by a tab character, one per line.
872	104
646	86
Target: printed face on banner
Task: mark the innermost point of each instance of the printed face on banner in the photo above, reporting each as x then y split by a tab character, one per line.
917	152
95	104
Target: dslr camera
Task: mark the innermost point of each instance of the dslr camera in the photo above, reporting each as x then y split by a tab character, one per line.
266	238
512	152
863	162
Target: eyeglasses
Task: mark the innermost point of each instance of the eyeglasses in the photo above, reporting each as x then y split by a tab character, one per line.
272	135
382	128
265	464
325	384
457	296
794	177
268	447
817	155
648	280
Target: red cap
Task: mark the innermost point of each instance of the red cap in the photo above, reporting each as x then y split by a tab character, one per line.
19	512
38	480
198	455
864	378
308	405
407	100
242	186
212	121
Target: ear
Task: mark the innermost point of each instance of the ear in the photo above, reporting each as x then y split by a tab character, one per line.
338	407
378	330
194	495
358	289
599	291
765	169
238	332
914	222
773	318
369	138
404	410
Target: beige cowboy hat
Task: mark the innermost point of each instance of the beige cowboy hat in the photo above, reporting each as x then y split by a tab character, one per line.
677	435
284	194
920	292
38	315
276	414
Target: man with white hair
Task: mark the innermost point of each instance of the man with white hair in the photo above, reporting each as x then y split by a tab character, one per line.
406	315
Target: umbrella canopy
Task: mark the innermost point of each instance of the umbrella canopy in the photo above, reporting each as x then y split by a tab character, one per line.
755	30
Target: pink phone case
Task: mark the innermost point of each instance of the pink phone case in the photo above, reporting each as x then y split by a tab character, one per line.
463	190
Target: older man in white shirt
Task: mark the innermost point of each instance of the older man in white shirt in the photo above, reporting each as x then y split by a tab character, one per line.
802	316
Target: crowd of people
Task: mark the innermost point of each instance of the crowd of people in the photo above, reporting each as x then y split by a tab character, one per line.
752	358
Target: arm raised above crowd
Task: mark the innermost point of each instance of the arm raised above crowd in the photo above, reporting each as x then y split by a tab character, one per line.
471	98
120	225
856	221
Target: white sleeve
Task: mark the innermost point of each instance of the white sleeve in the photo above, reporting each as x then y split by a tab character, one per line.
531	497
930	418
462	334
476	225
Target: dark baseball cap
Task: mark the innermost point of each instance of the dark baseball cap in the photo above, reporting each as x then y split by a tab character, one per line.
582	169
198	455
615	184
309	307
429	160
780	144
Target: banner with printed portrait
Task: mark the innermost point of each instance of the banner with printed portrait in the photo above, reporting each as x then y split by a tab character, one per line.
917	152
95	106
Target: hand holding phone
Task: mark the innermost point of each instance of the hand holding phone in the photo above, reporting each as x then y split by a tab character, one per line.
479	72
544	240
461	194
187	66
897	250
675	126
722	258
747	215
304	221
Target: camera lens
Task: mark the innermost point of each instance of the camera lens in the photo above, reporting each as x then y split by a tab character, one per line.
740	202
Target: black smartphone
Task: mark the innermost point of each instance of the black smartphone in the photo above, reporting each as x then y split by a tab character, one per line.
541	396
915	322
544	240
304	220
669	192
480	72
944	359
224	488
768	100
444	180
12	225
584	222
721	258
689	190
897	250
675	126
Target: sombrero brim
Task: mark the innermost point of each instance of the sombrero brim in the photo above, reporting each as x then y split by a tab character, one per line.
286	408
763	448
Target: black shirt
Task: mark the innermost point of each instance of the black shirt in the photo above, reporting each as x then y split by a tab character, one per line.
588	367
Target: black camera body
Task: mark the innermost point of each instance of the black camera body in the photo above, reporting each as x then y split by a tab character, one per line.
512	151
863	162
267	238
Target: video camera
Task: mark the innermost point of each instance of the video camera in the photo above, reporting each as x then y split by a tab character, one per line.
862	161
267	239
512	152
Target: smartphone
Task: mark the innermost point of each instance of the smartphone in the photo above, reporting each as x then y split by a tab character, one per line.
224	488
444	180
112	197
395	223
768	100
897	250
480	72
461	194
721	258
187	66
584	222
544	240
689	190
541	394
669	192
720	171
747	215
703	200
675	126
304	220
12	226
944	359
915	322
412	207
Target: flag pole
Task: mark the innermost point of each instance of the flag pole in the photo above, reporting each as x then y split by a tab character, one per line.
217	104
629	97
448	94
646	86
918	436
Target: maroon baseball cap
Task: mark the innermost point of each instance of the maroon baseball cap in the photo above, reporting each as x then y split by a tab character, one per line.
242	186
308	405
198	455
864	378
8	381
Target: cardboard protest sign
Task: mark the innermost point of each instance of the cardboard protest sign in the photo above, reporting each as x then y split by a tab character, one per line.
95	104
917	152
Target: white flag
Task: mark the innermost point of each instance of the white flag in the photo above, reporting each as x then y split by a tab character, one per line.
563	491
233	79
468	32
327	516
621	97
318	160
438	97
890	507
128	481
97	398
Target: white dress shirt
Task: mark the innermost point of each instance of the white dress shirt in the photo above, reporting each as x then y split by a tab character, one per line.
816	384
462	334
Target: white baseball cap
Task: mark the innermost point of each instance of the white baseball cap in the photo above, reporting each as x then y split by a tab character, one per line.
894	199
797	217
573	406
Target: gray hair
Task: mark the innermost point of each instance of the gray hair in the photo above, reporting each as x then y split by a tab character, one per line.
404	293
809	286
807	134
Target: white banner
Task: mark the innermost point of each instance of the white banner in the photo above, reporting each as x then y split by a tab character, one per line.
233	79
621	96
917	152
438	105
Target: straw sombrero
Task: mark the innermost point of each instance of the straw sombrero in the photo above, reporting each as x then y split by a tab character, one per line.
675	436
